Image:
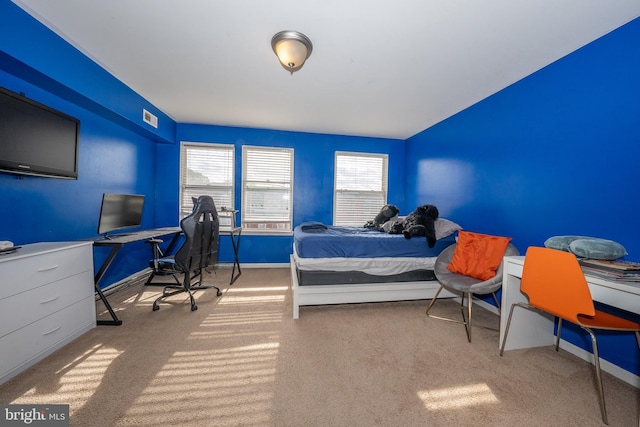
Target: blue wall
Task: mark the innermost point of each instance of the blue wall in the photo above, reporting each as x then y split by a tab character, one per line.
37	55
117	150
313	176
111	159
120	153
555	153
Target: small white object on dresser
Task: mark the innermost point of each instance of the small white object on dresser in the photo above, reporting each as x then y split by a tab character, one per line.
47	299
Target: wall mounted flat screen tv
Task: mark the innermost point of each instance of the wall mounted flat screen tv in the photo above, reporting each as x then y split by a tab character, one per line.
120	211
36	139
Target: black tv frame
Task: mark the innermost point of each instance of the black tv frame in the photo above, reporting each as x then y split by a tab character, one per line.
36	139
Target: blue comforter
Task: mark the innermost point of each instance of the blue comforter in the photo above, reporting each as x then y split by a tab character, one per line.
360	242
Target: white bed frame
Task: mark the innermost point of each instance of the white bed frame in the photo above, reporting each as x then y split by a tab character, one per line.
354	293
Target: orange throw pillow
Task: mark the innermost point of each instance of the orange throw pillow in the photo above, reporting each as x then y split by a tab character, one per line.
478	255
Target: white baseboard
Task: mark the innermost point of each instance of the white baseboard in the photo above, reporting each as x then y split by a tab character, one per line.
486	306
615	370
610	368
258	265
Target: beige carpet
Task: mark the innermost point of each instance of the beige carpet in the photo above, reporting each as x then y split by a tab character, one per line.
241	360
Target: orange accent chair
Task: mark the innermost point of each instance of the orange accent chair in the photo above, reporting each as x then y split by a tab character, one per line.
555	284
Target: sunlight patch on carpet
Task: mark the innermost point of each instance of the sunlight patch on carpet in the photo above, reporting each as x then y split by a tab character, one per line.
457	397
78	380
219	319
256	289
240	378
251	300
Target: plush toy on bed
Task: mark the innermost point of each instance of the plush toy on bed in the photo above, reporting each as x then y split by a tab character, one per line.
418	223
387	213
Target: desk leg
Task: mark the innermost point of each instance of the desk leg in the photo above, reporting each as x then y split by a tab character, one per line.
115	321
103	269
235	242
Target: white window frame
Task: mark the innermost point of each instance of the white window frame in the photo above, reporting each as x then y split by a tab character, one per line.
360	187
267	171
219	162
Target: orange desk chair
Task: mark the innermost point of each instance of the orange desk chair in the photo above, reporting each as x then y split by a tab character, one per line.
555	284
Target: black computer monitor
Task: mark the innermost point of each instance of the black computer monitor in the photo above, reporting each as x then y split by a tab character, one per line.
120	211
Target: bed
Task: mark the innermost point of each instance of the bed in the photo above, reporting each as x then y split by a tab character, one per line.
337	265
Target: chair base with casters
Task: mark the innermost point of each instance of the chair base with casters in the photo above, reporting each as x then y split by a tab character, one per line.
465	286
170	290
555	284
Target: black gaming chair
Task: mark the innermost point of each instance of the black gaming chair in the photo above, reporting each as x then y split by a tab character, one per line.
199	250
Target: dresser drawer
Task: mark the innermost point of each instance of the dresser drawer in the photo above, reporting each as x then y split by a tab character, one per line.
27	307
30	272
26	346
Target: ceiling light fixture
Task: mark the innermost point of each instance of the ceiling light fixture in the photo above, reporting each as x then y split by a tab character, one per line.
292	49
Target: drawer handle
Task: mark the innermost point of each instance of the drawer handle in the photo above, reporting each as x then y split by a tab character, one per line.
49	300
48	268
52	331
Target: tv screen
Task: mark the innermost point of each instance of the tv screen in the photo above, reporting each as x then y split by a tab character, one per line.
35	139
120	211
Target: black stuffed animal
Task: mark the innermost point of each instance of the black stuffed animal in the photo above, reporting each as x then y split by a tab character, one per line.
387	213
418	223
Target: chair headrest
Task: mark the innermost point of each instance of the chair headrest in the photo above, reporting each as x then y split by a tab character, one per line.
204	204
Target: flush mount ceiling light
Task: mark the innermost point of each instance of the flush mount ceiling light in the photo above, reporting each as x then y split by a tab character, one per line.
292	49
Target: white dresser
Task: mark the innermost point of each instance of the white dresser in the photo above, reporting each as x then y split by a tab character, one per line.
46	301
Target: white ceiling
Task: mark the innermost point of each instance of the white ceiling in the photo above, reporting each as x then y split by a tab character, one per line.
381	68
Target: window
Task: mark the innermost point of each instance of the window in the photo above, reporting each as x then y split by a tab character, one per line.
360	187
267	175
206	169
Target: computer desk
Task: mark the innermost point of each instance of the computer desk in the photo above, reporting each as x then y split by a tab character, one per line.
117	242
535	329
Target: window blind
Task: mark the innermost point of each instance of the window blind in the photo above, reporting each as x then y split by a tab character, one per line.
360	189
206	169
267	181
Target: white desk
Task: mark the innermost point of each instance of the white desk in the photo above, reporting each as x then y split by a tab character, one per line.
531	329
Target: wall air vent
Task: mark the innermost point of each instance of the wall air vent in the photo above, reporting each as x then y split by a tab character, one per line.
149	118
